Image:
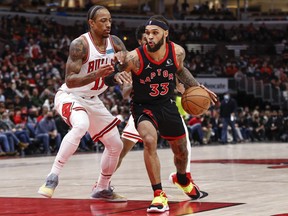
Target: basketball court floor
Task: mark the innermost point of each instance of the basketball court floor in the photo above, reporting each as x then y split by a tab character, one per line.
243	179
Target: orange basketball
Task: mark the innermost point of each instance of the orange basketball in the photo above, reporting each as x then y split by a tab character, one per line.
195	100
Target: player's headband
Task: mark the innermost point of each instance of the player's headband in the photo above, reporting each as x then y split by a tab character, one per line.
92	11
157	23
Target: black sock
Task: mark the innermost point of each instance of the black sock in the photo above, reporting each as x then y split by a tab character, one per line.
182	179
157	187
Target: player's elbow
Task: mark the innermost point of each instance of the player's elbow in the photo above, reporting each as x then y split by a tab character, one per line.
70	83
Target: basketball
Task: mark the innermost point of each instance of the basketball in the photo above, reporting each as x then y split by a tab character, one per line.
195	100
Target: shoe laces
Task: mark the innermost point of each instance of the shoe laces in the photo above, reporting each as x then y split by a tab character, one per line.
160	198
162	194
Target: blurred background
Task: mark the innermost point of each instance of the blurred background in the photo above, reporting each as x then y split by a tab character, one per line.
235	47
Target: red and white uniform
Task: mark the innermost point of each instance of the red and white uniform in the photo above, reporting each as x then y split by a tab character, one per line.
130	132
86	97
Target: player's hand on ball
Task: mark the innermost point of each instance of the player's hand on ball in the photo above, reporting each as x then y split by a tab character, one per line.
212	95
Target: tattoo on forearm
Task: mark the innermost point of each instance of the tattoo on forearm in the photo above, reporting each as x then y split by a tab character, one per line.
136	63
131	63
187	78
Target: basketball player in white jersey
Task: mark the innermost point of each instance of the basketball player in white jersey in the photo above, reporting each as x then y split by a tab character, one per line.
91	58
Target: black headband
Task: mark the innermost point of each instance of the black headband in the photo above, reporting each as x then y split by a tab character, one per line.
157	23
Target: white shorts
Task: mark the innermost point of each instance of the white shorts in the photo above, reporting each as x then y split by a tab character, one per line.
130	132
101	121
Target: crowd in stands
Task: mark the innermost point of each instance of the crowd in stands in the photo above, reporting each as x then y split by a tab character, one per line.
32	68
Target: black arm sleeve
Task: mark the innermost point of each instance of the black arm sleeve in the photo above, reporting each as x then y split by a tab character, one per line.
109	80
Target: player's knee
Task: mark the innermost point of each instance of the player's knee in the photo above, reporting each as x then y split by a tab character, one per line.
150	142
150	139
80	128
113	143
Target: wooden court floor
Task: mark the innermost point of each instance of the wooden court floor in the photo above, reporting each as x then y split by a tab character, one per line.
242	179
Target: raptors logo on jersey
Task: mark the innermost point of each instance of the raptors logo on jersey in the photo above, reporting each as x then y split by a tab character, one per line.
155	80
95	58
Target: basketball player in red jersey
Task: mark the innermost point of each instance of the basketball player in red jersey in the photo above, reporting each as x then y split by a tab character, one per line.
154	67
91	58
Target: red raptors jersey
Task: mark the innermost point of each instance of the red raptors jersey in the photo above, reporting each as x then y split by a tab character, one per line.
155	81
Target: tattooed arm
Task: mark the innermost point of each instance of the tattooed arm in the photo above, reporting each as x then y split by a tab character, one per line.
118	44
77	54
130	63
183	74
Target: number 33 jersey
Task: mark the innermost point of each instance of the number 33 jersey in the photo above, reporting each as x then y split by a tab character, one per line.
155	80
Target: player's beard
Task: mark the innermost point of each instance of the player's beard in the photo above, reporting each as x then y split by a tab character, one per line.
156	46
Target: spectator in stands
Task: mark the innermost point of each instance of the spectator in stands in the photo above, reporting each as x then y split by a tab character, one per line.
251	69
240	74
46	132
2	96
207	127
20	132
195	130
266	71
34	49
20	115
4	145
7	51
35	98
231	69
273	127
13	141
216	125
242	122
228	108
31	122
43	112
258	128
9	93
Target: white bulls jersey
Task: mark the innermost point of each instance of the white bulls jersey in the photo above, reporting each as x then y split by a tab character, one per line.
94	60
